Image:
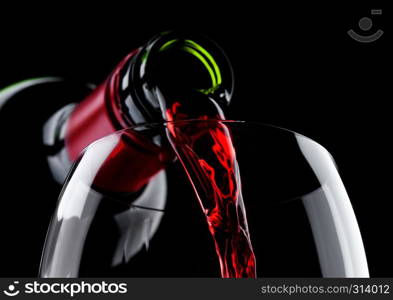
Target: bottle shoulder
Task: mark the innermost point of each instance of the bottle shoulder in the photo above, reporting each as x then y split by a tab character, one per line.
44	93
26	109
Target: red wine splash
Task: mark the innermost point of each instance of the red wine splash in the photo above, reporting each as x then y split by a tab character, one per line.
207	154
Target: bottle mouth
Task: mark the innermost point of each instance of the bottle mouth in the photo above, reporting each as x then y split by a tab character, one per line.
174	66
193	54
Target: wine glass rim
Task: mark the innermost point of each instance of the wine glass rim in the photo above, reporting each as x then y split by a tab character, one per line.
153	125
194	121
226	121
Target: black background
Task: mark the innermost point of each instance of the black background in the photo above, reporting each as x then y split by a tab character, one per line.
295	67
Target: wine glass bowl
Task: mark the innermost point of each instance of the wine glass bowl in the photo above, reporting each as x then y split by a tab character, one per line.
271	204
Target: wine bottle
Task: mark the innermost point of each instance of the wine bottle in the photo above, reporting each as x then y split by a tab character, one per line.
55	119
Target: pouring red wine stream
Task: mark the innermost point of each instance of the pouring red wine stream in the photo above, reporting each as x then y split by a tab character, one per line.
209	159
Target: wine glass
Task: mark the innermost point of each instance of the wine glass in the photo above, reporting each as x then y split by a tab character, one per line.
204	198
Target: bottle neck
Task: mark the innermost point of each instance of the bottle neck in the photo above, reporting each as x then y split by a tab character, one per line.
99	114
171	78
